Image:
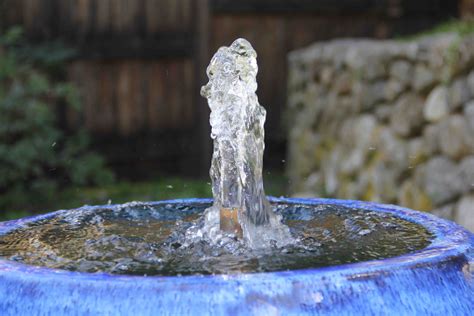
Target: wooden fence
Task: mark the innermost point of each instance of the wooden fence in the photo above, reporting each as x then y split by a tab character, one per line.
140	63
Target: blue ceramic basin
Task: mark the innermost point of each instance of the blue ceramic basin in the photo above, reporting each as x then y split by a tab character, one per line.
436	280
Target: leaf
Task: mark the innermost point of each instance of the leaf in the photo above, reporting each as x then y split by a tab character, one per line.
12	36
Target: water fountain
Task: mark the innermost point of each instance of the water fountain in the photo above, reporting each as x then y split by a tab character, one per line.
241	253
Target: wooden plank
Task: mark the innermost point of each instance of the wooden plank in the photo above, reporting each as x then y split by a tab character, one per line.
103	20
386	7
291	6
115	15
174	88
142	98
186	13
151	16
73	116
11	12
171	17
162	86
155	96
200	154
466	9
89	94
33	20
127	16
124	109
82	19
178	44
105	108
433	7
188	93
64	18
164	109
136	97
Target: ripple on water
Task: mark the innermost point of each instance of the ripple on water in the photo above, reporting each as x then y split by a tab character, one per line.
146	239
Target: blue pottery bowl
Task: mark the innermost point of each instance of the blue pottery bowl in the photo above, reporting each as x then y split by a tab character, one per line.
438	279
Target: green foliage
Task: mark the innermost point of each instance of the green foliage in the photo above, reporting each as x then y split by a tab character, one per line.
37	157
459	27
160	189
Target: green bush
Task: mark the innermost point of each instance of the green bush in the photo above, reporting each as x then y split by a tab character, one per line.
37	156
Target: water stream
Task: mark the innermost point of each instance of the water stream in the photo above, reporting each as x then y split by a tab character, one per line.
237	120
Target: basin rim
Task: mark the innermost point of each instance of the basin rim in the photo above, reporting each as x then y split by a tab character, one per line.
450	241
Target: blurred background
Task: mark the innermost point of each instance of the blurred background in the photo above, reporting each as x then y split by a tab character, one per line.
99	99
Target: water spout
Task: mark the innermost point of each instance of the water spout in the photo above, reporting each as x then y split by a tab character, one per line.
237	121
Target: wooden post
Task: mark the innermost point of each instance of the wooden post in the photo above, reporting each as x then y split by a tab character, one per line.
200	161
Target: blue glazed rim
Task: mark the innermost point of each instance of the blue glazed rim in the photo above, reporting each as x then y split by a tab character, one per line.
450	241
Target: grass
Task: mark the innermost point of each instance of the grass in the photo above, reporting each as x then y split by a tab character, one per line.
161	189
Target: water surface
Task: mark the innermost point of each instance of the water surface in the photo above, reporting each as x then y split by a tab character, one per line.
145	239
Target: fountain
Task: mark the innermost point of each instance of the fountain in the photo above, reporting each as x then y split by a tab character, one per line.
240	253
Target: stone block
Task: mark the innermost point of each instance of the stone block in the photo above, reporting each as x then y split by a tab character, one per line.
455	138
343	84
393	150
459	93
431	137
372	94
402	71
469	114
423	78
440	180
466	174
393	89
383	112
418	151
407	115
436	106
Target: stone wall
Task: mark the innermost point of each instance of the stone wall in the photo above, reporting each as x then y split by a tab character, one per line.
388	121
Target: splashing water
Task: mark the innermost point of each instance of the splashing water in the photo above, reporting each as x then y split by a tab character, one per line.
237	119
146	239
